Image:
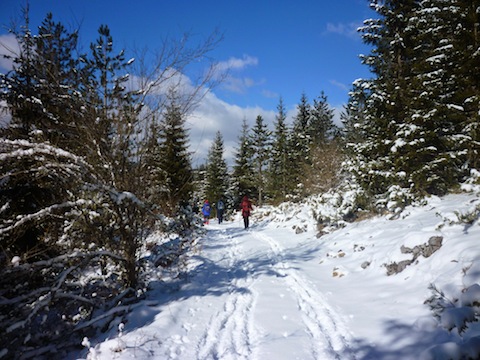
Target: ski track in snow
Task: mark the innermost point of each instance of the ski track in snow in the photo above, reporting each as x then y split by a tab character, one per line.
329	336
233	325
229	331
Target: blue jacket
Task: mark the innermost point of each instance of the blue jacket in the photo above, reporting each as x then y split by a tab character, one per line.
206	209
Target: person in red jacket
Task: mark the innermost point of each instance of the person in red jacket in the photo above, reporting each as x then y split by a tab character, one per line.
246	206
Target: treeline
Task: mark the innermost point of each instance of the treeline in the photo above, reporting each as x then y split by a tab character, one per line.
288	162
413	129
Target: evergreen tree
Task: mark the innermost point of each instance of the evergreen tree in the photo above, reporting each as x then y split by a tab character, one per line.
321	128
59	72
261	142
113	108
388	96
42	89
40	93
467	73
321	173
19	86
152	175
217	182
300	129
446	109
299	142
243	174
420	121
279	172
175	162
353	117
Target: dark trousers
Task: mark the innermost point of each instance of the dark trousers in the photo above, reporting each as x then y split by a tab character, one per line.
245	221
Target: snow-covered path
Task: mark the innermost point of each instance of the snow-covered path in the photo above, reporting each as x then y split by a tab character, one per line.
246	301
245	298
269	293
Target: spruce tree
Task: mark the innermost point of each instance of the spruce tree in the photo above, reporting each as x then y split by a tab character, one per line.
261	142
467	40
299	142
321	173
279	183
41	95
152	175
243	174
42	90
175	163
19	85
388	97
217	182
352	118
321	128
113	108
420	120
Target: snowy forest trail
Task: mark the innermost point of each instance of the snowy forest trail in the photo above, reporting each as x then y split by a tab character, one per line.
244	298
272	292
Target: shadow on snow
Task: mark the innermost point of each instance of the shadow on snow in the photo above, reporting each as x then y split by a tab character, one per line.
218	277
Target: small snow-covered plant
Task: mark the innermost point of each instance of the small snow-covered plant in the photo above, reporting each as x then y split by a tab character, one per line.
470	216
398	198
438	302
120	343
92	353
456	315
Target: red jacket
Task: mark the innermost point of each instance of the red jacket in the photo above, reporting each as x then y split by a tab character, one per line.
246	206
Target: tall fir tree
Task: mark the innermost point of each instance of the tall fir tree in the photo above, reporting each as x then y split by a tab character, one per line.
19	85
261	143
217	181
42	90
321	128
152	175
467	73
388	96
41	95
420	121
243	173
279	184
299	142
175	163
321	173
353	116
113	109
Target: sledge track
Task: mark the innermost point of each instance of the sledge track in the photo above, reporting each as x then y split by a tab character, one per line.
230	330
329	336
234	324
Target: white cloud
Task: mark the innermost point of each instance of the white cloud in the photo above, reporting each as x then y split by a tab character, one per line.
214	114
234	83
8	46
240	85
238	64
340	85
270	94
348	30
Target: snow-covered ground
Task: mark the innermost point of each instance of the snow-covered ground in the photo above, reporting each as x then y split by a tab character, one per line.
269	293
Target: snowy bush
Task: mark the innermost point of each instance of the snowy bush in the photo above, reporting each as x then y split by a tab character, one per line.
458	316
69	248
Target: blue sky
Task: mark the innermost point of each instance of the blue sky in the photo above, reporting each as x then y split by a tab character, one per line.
279	48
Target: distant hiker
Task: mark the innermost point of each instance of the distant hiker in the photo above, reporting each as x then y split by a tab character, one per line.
246	206
220	210
195	207
206	212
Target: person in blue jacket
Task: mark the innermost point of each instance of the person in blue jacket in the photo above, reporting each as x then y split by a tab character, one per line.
206	212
